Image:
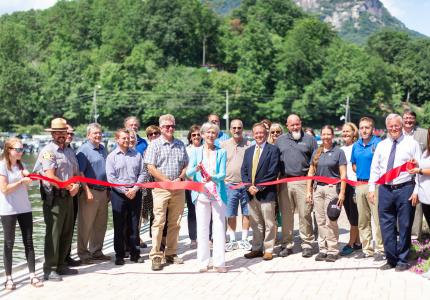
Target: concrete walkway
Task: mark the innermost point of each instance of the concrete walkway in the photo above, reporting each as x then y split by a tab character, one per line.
293	277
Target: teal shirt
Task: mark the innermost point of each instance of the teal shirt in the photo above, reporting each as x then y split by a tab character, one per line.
196	157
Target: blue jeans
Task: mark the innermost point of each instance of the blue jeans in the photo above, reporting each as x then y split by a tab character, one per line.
394	206
234	198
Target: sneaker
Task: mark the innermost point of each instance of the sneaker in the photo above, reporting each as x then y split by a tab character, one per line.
174	259
385	267
402	267
231	246
378	257
331	258
321	257
307	252
347	250
363	255
137	259
53	276
156	264
245	245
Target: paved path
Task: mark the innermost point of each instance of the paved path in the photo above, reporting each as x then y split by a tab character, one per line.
293	277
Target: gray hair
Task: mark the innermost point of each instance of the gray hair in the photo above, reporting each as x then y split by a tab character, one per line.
93	126
207	126
129	119
237	120
166	117
393	116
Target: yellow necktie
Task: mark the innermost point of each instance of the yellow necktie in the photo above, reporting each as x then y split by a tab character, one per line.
255	161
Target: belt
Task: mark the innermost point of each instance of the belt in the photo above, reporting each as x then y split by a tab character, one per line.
393	187
362	179
97	188
322	183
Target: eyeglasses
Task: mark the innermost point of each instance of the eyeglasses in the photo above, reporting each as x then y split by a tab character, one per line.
19	150
70	133
195	134
154	134
168	126
236	128
276	131
215	122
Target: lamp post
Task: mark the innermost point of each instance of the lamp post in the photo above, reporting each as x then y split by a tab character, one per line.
95	102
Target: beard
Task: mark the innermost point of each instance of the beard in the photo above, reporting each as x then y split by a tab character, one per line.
296	135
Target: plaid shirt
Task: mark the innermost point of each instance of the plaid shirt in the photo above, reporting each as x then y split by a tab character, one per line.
169	158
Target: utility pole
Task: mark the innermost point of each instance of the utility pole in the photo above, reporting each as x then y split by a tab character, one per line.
96	116
347	111
204	51
227	121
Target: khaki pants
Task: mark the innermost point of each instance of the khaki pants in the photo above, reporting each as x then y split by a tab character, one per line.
366	211
92	224
174	200
292	195
328	230
263	224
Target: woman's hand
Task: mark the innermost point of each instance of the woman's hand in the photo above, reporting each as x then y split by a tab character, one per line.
26	181
414	199
414	171
341	198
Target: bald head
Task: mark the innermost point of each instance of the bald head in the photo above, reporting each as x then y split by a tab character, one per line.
294	124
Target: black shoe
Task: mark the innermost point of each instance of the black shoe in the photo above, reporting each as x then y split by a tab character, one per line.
385	267
68	271
53	276
143	245
331	258
321	257
378	257
357	246
307	252
402	267
285	252
137	259
119	261
156	264
72	263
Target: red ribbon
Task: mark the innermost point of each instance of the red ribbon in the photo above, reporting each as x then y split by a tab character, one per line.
199	187
387	177
167	185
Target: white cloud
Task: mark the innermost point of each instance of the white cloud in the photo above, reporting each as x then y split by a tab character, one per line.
7	6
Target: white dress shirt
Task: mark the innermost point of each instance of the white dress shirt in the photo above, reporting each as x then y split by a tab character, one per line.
407	148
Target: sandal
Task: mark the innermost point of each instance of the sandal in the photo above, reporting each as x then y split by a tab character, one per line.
36	282
9	285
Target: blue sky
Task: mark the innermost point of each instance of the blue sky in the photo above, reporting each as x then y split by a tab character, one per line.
415	14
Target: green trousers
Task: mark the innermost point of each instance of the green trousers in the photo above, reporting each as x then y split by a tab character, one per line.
59	233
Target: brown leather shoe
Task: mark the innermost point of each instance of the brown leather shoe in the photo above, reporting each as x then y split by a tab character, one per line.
254	254
267	256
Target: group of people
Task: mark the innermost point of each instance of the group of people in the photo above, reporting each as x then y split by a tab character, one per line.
234	172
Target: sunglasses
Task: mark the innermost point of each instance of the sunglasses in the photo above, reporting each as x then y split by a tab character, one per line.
236	128
195	134
19	150
70	133
169	126
276	131
153	134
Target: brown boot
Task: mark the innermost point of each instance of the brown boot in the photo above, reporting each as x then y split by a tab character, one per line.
254	254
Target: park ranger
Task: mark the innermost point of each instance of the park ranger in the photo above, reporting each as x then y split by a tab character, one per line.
57	162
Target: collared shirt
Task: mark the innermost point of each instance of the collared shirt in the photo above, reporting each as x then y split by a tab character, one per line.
423	181
235	154
362	155
295	154
261	149
222	136
169	158
329	162
141	144
63	161
127	168
407	148
92	160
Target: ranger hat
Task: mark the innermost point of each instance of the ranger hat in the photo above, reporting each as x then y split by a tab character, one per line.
58	124
333	211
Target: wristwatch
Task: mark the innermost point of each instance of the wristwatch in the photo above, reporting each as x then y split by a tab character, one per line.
420	171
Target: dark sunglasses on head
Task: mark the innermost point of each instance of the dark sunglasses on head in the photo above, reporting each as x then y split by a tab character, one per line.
195	134
169	126
19	150
276	131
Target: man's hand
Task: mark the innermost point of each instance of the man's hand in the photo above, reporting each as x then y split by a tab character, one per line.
130	194
74	189
371	197
253	190
90	196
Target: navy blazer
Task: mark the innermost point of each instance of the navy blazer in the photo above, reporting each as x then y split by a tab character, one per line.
267	170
